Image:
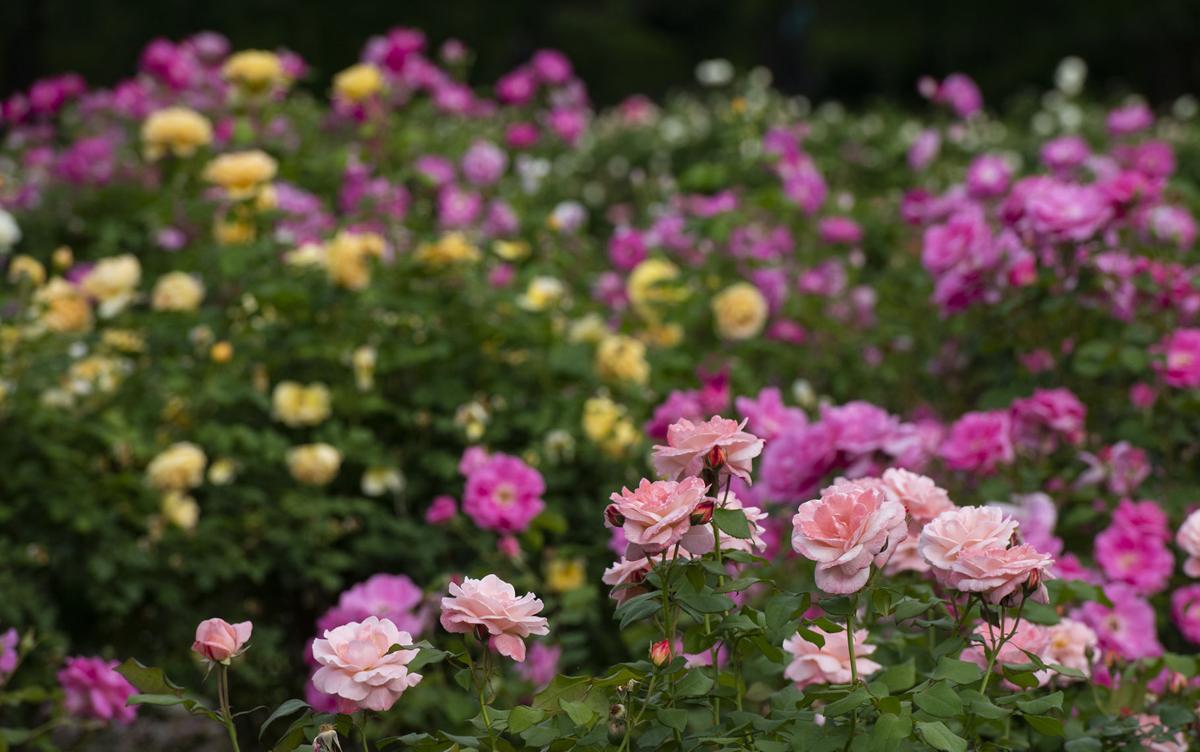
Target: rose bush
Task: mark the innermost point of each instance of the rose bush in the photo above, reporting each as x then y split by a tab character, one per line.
315	360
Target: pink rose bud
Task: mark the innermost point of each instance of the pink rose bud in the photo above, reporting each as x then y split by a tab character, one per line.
613	516
660	652
715	458
703	513
219	641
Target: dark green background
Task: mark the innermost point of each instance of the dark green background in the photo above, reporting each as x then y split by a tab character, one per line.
842	49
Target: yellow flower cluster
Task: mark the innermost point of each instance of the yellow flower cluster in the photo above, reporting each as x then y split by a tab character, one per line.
242	174
314	464
177	468
177	291
112	282
607	425
622	358
452	249
651	286
740	311
255	72
63	308
295	404
358	83
348	255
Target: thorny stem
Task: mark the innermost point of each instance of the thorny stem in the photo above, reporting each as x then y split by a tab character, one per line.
223	698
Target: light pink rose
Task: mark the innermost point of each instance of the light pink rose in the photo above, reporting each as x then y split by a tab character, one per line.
922	498
947	537
1070	644
690	444
219	641
1028	636
1151	728
357	667
998	573
907	557
658	515
1188	539
852	525
829	664
625	576
492	604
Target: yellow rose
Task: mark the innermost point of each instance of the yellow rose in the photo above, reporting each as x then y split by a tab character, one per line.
26	268
63	257
740	311
221	352
255	71
565	575
178	130
180	510
63	307
542	293
125	340
177	291
242	173
235	231
377	481
622	358
347	258
662	335
177	468
314	464
222	472
453	248
309	254
511	250
648	284
358	82
600	415
113	281
295	404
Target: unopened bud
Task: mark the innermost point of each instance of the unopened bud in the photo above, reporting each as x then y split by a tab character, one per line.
660	652
703	512
715	457
613	516
327	740
616	711
616	732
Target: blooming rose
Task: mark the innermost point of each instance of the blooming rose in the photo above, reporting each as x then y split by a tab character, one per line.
492	603
852	525
657	515
1072	644
255	71
1181	365
359	667
1000	572
1127	629
923	499
1185	607
219	641
978	441
63	307
177	130
92	688
624	576
1188	539
358	83
178	467
502	493
112	282
177	291
241	173
965	529
830	663
295	404
1028	636
314	464
621	358
689	445
740	311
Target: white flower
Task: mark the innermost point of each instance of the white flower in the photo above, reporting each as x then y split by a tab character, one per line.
10	233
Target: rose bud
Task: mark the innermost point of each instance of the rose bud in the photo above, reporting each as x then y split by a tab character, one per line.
616	732
703	512
219	641
715	457
613	516
327	740
616	711
660	652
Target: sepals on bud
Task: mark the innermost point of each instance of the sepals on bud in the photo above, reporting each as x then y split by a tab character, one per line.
660	653
703	513
613	516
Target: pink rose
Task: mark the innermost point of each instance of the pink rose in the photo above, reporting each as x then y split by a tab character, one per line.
1181	364
93	689
359	667
979	441
658	515
442	510
625	576
219	641
922	498
1028	637
964	530
852	525
492	604
690	445
830	663
1188	539
1071	642
998	573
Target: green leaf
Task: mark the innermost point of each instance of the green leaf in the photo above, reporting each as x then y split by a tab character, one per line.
673	718
1084	744
907	608
982	706
1023	679
705	603
1045	725
285	709
694	684
889	731
938	736
733	522
939	700
522	717
580	713
900	676
638	607
959	672
155	700
855	699
1052	701
148	679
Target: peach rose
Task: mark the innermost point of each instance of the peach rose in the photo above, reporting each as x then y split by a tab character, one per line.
923	498
219	641
492	604
999	573
829	664
852	525
359	667
954	532
1188	539
1027	636
1070	644
689	445
658	515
